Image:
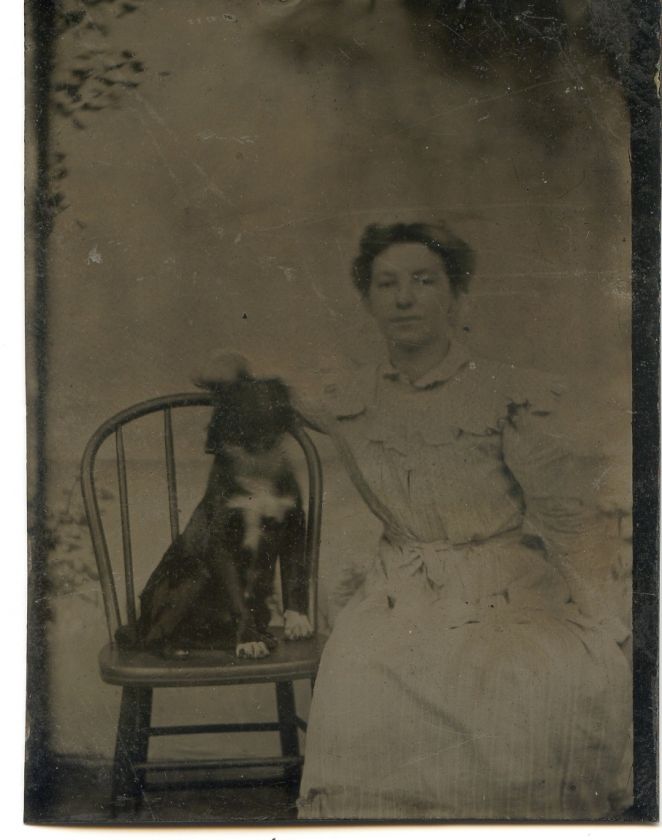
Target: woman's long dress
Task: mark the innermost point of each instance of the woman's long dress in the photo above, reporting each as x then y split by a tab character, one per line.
462	681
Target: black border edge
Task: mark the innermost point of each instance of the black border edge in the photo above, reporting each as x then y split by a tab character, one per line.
644	105
40	42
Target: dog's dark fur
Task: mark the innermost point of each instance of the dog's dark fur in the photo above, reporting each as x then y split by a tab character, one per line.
210	590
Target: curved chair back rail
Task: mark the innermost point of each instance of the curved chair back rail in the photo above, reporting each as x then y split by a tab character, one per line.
114	426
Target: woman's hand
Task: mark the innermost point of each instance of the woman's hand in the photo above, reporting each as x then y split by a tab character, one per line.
222	366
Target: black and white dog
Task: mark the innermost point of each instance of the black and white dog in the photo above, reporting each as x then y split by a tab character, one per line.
212	586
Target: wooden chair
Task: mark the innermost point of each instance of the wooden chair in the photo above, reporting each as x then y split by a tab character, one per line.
139	673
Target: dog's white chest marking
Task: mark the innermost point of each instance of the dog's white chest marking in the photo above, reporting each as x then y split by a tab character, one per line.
259	503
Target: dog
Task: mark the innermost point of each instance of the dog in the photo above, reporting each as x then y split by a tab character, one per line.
212	586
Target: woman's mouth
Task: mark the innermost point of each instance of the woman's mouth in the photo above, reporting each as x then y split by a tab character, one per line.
405	319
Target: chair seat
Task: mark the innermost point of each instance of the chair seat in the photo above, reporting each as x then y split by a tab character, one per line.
290	660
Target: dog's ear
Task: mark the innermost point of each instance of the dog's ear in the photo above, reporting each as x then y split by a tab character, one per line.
225	419
280	400
223	368
247	409
279	393
216	430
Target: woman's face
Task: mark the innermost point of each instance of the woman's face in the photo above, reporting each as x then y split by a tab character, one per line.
410	295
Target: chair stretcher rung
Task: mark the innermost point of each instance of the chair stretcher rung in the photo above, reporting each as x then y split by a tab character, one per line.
201	729
222	764
250	780
301	723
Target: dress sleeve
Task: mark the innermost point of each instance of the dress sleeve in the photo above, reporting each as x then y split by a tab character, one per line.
556	478
324	396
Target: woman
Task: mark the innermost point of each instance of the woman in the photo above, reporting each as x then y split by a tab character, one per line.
470	675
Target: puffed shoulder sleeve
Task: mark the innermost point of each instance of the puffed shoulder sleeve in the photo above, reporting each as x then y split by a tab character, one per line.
545	448
328	394
540	451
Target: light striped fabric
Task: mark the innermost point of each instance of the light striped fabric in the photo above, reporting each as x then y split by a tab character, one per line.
462	680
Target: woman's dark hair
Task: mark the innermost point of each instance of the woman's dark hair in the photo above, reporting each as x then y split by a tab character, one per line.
458	258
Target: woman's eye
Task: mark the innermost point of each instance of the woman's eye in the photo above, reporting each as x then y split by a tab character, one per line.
425	279
385	284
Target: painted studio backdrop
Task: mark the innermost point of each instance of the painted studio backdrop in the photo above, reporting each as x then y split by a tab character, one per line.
213	164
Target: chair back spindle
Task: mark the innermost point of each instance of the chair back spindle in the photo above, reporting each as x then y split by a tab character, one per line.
314	515
171	472
126	527
99	543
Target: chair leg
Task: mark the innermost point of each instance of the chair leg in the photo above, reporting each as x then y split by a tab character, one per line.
289	732
131	748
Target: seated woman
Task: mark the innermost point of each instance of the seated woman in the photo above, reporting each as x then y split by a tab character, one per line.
471	675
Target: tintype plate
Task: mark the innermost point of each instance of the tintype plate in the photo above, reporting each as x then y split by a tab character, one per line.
475	182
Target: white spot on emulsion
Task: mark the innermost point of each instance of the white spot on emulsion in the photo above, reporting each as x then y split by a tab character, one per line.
288	271
244	139
94	256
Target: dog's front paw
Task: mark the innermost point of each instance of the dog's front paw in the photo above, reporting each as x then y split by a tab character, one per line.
252	650
297	626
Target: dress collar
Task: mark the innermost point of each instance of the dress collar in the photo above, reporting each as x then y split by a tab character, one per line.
458	355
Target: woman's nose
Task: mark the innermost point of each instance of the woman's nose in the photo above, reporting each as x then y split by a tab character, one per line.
404	295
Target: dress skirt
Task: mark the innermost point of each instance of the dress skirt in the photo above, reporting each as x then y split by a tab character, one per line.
462	683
